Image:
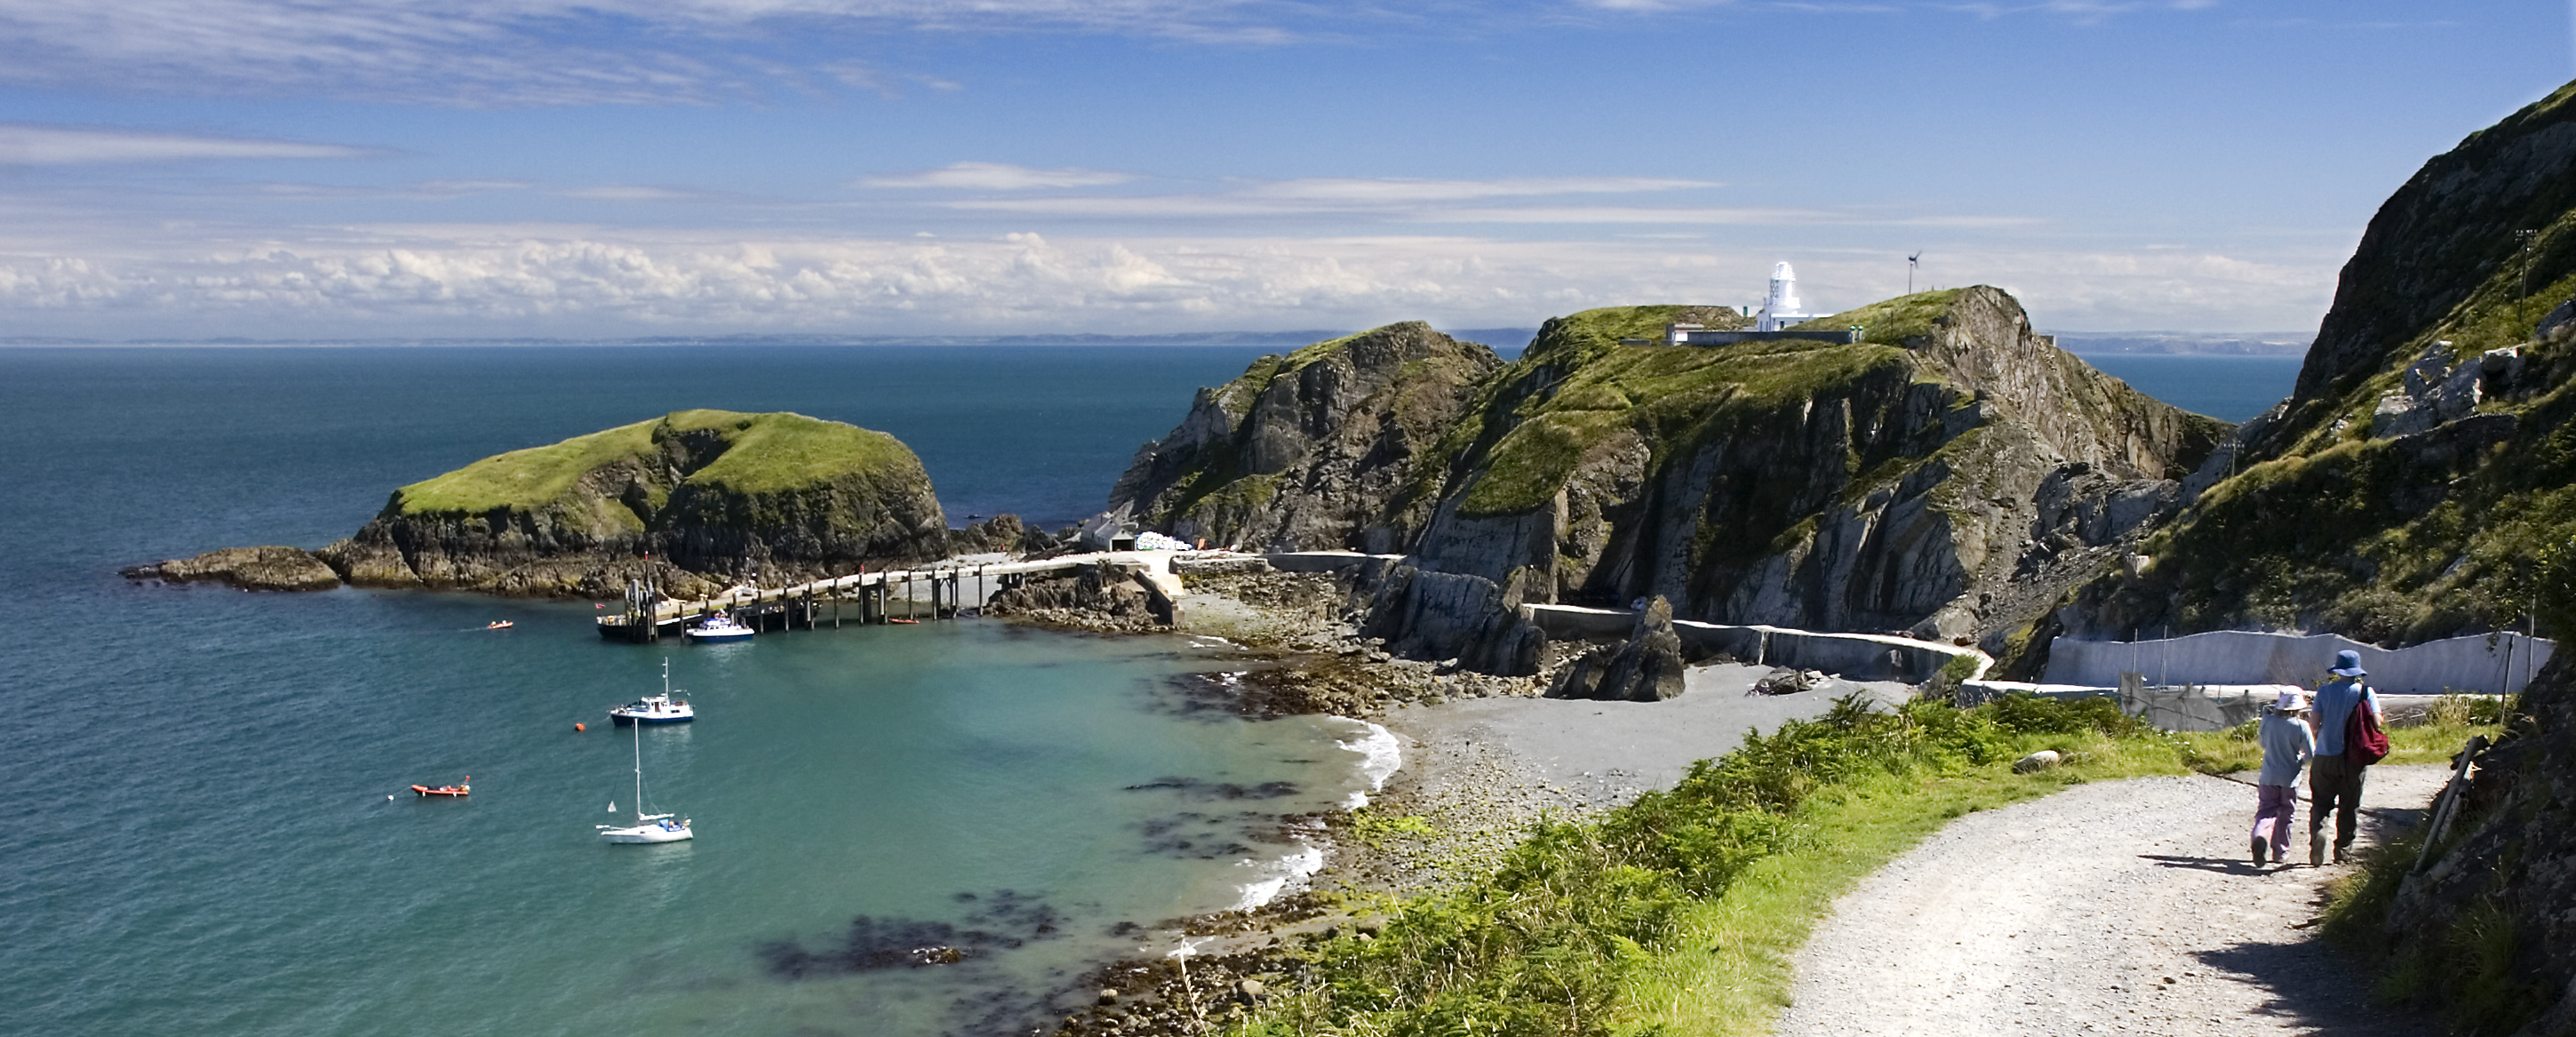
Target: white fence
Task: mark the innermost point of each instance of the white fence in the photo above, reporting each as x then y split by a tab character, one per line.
2491	663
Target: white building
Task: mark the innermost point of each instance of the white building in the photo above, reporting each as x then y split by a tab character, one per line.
1781	308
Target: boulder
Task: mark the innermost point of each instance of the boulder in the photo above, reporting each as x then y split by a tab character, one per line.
2044	759
1648	668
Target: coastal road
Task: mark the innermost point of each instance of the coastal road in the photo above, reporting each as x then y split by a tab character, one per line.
2126	907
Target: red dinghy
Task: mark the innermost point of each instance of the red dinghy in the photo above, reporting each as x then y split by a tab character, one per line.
445	790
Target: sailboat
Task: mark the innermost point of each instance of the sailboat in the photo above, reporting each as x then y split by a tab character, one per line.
648	828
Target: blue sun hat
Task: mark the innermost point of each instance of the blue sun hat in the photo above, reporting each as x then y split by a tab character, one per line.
2348	664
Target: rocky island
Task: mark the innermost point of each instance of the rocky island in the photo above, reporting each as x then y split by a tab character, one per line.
693	500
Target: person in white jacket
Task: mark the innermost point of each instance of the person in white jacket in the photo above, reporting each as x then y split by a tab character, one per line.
2288	744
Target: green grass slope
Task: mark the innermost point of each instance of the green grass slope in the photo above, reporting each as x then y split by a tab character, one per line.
527	479
743	453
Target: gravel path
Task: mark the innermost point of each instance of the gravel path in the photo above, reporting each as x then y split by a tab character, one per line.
2125	907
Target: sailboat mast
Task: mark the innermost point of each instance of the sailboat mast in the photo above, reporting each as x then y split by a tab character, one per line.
639	767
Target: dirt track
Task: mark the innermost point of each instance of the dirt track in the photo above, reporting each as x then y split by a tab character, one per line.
2125	907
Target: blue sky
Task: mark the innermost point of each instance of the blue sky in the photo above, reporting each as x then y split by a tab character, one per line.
341	168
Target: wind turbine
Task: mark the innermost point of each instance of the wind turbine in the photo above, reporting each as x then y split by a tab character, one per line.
1910	263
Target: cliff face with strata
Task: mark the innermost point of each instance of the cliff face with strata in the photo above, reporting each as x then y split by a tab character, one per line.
696	500
1925	478
2421	483
1309	448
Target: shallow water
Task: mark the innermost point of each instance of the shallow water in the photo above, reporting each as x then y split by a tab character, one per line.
196	779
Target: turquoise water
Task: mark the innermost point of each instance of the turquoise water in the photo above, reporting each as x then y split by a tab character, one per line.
194	780
244	872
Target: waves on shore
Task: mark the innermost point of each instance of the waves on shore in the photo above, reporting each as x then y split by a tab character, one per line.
1380	755
1278	875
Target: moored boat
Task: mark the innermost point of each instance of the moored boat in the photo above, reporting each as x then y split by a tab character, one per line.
718	627
467	788
648	828
656	709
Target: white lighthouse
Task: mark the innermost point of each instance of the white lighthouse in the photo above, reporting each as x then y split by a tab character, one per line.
1781	309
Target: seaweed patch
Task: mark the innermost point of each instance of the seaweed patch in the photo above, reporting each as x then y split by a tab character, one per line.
1003	919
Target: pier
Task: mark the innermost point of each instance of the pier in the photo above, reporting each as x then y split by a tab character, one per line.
939	590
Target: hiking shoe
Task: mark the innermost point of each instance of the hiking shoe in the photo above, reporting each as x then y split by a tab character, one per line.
2261	850
2341	857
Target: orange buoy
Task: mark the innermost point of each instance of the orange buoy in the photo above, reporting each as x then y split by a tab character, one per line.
578	727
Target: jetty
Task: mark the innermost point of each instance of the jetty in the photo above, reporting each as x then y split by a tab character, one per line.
938	590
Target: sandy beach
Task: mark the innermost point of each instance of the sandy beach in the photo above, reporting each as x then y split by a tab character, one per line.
1479	770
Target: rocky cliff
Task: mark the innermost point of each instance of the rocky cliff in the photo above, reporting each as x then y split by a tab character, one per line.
1309	448
1923	479
700	497
2483	926
2421	483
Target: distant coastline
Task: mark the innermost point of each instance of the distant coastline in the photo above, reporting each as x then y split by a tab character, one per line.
2185	343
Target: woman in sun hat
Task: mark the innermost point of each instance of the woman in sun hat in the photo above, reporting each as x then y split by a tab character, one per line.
2287	745
2333	782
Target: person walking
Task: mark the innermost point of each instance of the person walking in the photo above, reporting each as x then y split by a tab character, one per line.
2334	782
2287	745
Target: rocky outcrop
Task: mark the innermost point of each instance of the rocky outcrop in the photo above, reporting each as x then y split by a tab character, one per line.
1310	448
1470	620
2484	926
1099	596
2420	483
1645	668
695	500
1950	475
249	568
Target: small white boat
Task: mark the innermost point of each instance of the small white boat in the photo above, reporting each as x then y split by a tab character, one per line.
718	627
655	709
648	828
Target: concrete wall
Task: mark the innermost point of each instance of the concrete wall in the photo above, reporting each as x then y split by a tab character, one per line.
1868	657
1320	561
2477	663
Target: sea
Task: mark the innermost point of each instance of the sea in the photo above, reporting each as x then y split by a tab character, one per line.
205	793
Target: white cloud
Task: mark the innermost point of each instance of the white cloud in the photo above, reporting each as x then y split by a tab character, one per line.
520	52
511	279
28	144
996	176
457	188
627	193
1390	196
1395	190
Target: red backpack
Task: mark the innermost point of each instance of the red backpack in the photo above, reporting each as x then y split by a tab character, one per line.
2363	742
